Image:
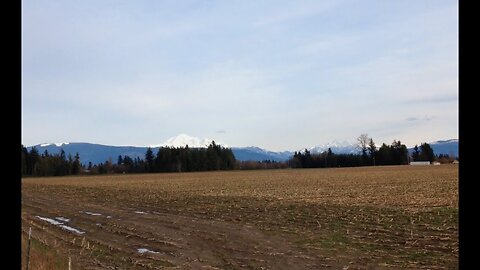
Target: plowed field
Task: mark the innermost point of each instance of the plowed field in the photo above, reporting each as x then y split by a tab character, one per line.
392	217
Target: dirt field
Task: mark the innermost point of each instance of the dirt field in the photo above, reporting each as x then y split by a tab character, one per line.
354	218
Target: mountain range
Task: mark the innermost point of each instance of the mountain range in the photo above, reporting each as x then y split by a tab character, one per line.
97	153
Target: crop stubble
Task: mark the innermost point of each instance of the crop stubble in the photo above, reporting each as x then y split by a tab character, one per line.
355	218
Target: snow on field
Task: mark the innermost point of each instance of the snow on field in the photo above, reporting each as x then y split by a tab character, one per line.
145	250
49	220
62	219
140	212
91	213
60	224
68	228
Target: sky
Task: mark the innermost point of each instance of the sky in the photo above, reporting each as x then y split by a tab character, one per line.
281	75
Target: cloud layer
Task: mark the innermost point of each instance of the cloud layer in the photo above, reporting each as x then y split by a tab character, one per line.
272	74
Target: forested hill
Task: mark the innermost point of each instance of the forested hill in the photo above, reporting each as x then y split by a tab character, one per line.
94	153
98	153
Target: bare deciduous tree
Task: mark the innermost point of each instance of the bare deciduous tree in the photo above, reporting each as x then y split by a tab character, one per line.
363	141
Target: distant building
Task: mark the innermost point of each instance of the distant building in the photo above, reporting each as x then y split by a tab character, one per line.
435	163
455	161
420	163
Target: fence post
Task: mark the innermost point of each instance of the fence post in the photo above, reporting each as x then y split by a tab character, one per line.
28	247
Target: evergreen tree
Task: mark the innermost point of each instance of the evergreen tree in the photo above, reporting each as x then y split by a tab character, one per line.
119	160
101	168
384	156
69	165
330	159
24	157
33	161
62	164
426	153
212	157
399	153
229	159
149	160
295	161
416	153
306	159
128	163
163	159
187	159
372	151
76	166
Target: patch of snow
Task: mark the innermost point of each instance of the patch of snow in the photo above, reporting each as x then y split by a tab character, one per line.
109	216
45	144
145	250
60	224
49	220
68	228
62	219
92	214
60	144
139	212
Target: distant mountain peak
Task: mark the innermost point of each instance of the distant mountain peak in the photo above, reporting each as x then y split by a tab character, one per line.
338	147
97	153
56	144
182	140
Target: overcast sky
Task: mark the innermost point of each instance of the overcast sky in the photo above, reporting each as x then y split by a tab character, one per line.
281	75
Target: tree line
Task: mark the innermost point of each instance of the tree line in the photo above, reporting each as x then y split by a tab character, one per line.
46	164
394	154
369	155
183	159
167	159
216	157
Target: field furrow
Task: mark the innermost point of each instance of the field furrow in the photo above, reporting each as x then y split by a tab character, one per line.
359	218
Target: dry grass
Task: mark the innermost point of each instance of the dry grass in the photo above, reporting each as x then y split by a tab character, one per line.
42	256
380	217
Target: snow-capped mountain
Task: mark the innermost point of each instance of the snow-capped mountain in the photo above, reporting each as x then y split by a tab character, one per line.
446	147
183	140
57	144
337	147
97	153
